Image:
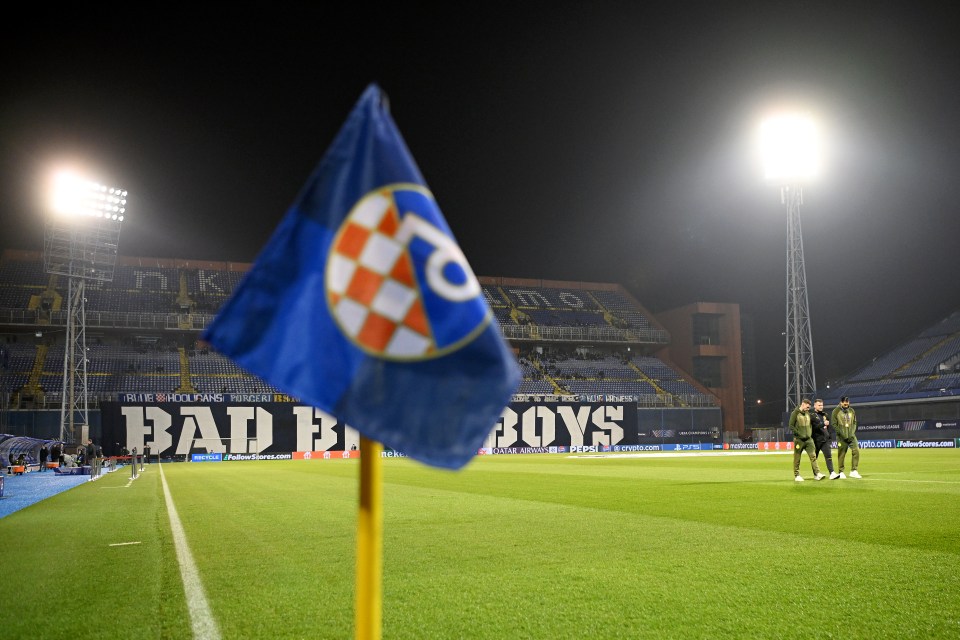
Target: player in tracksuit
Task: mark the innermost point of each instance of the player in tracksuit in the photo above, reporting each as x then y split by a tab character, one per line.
844	420
802	428
821	435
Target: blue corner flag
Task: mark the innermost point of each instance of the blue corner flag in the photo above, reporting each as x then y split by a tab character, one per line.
362	304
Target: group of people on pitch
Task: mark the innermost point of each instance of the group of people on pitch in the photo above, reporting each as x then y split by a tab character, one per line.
811	433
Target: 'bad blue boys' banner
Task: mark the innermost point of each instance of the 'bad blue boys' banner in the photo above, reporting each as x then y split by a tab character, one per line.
181	429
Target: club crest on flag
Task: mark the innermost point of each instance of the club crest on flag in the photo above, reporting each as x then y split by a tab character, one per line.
397	284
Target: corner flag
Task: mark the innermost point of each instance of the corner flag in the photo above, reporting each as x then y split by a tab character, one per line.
362	304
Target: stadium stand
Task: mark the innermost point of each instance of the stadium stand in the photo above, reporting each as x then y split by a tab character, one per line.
588	371
163	294
143	328
213	373
570	313
927	364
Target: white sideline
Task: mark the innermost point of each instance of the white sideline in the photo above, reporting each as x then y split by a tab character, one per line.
679	454
201	619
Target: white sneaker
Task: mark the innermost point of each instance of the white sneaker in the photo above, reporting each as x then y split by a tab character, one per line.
798	478
855	474
841	476
834	475
819	476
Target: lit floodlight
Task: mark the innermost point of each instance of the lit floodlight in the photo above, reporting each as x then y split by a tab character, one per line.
80	243
83	232
789	148
74	196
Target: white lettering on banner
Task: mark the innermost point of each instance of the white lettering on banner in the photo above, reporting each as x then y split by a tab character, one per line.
254	398
197	426
876	444
198	423
576	423
239	417
206	281
575	419
147	421
306	428
548	426
506	432
143	275
610	432
239	431
926	444
186	397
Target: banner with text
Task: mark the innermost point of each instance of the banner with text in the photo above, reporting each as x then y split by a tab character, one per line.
182	429
577	427
909	425
238	429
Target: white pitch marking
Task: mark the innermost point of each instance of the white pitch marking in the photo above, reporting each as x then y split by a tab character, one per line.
126	486
123	544
201	618
920	481
679	454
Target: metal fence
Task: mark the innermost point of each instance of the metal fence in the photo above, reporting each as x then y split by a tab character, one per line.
109	319
199	321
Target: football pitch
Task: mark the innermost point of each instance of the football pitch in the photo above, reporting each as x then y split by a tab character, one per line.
527	546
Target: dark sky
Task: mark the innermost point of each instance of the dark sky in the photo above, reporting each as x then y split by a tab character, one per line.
591	141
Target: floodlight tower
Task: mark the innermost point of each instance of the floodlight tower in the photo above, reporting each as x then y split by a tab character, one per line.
790	153
80	242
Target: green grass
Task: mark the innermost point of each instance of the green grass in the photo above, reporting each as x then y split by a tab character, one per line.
510	547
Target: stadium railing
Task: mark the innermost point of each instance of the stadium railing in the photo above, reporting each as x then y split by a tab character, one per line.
109	319
598	334
198	322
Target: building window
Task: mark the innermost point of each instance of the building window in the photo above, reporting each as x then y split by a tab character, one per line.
706	328
707	371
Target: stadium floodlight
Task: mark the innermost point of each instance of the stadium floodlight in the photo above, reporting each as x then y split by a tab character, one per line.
83	234
790	150
74	196
81	239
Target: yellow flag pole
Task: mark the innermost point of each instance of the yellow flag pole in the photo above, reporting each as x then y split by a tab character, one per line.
368	605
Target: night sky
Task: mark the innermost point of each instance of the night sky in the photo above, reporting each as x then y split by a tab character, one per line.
603	142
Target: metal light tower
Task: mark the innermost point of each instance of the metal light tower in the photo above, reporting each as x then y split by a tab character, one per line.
801	378
790	154
80	242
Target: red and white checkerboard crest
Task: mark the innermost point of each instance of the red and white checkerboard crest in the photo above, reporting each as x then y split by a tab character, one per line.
397	284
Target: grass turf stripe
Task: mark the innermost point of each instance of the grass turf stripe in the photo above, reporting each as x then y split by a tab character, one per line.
201	618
